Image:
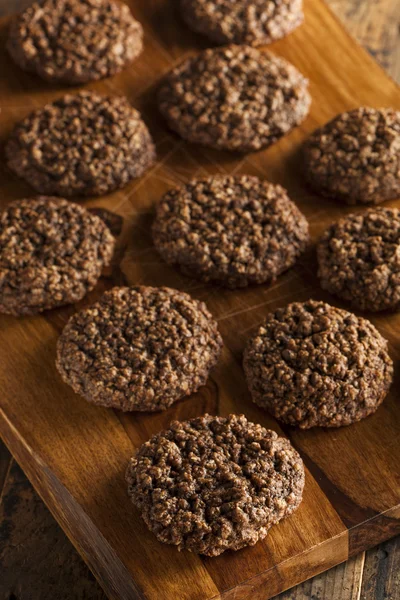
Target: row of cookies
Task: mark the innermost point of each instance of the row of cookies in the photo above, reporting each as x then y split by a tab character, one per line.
233	97
233	231
78	41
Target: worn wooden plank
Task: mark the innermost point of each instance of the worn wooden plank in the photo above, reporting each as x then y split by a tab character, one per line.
375	24
172	166
381	575
37	560
341	583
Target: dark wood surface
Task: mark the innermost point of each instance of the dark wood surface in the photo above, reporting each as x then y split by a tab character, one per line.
36	559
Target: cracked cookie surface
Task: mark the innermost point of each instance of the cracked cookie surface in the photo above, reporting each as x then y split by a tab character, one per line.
212	484
234	98
234	231
81	144
252	22
359	259
139	348
356	156
75	41
313	364
52	253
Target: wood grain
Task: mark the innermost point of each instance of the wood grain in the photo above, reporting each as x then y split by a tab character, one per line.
49	429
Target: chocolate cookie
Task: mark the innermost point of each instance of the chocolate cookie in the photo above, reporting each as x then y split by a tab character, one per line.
52	252
139	348
231	230
234	97
312	364
84	144
213	484
356	156
359	259
243	21
75	41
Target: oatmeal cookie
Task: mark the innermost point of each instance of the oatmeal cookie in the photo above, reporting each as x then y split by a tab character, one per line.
235	97
75	41
252	22
81	145
231	230
213	484
359	259
356	156
312	364
139	348
52	252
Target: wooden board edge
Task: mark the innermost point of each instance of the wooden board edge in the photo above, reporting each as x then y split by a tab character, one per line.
292	571
378	529
116	582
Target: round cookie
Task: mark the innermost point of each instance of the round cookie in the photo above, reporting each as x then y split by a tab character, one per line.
234	231
234	98
243	21
75	41
311	364
84	144
139	348
52	252
356	156
359	259
213	484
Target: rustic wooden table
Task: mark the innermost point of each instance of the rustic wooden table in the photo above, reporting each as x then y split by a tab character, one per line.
38	562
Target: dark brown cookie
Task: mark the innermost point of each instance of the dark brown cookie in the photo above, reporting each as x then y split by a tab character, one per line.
84	144
312	364
52	252
139	348
231	230
234	97
113	221
75	41
356	156
359	259
213	484
243	21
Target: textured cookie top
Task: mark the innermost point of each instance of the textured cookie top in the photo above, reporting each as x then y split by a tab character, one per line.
359	259
232	230
234	97
75	41
243	21
139	348
313	364
52	253
83	144
356	156
212	484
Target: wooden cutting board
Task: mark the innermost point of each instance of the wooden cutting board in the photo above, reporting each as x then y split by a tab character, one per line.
75	454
